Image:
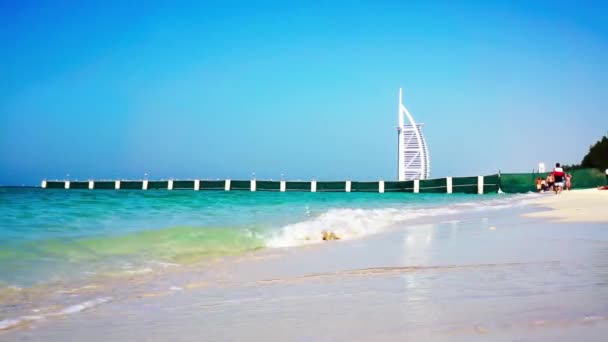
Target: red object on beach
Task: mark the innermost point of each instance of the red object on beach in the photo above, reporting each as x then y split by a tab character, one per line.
605	187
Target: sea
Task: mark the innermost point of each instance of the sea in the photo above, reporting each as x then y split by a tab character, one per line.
60	236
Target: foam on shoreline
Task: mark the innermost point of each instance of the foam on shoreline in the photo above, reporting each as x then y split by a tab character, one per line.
356	223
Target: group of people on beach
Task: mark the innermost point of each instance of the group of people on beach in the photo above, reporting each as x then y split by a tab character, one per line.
556	181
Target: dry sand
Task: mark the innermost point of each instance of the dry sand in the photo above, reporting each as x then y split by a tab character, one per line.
589	205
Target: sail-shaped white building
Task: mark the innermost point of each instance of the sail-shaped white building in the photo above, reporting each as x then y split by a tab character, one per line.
413	156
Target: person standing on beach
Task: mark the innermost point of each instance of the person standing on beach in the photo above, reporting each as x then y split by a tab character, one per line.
558	179
568	181
550	182
539	182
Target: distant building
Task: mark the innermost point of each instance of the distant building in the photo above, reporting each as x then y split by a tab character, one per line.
413	154
541	167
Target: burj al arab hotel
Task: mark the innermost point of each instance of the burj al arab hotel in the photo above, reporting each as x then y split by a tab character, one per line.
413	156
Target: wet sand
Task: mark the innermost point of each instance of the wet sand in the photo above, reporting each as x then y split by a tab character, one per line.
490	275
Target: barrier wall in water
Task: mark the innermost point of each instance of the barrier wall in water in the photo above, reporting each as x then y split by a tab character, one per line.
104	185
399	186
268	186
464	185
298	186
331	186
158	185
365	186
212	185
505	182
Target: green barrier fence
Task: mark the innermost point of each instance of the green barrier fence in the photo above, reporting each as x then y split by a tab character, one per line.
157	185
297	186
131	185
240	185
183	185
526	182
433	185
587	178
104	185
491	184
464	185
364	186
212	185
331	186
507	182
55	185
267	186
399	186
79	185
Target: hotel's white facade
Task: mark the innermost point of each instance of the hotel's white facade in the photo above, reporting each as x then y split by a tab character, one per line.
413	153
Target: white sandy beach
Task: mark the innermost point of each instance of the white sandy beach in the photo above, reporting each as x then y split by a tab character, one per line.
589	205
509	274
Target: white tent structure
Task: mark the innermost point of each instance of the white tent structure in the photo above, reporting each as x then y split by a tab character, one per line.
413	156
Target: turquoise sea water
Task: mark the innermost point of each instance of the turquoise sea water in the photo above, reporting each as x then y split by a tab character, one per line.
58	235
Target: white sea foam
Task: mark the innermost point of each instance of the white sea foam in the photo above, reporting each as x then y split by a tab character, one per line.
72	309
82	306
356	223
9	323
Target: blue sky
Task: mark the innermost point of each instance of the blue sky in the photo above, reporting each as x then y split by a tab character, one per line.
223	89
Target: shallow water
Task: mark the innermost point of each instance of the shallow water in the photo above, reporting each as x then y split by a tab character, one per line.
58	235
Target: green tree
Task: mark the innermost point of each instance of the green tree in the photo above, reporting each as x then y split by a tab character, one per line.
598	155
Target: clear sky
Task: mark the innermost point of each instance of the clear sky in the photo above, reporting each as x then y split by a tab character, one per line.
308	89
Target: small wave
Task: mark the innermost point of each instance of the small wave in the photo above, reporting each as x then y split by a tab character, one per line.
356	223
72	309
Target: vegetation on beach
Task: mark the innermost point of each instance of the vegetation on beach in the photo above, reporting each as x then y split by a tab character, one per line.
596	158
